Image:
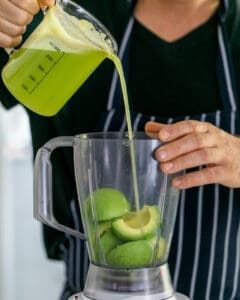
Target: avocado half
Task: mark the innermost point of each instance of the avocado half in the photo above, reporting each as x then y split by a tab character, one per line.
108	203
131	254
137	225
108	242
159	247
104	226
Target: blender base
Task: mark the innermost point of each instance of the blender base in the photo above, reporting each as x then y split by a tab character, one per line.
177	296
128	284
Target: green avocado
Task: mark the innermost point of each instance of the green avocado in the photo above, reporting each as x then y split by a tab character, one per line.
108	241
131	254
137	225
160	248
104	226
107	203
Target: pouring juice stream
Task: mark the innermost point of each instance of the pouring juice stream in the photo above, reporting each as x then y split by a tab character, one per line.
43	74
119	68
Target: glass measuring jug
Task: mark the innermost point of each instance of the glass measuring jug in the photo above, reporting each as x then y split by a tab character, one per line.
57	58
120	232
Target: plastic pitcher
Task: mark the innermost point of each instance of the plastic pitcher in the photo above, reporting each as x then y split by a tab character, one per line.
57	58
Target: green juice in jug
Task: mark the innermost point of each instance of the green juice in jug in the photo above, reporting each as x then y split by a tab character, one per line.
54	62
50	64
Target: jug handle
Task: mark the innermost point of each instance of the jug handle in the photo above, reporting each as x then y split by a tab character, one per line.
9	50
43	200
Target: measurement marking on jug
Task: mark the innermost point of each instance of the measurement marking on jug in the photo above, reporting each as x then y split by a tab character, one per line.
32	81
41	68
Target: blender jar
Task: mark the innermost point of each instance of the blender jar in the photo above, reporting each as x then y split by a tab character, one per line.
128	209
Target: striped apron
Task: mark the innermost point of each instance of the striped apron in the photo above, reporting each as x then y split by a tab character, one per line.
205	254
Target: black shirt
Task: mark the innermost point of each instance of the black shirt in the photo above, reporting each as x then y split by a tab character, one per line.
176	78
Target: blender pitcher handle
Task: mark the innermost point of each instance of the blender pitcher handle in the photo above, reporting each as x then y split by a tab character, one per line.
43	200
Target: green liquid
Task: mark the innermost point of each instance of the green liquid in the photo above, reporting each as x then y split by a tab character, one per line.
119	68
44	80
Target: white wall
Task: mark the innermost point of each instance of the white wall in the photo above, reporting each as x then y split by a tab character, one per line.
24	270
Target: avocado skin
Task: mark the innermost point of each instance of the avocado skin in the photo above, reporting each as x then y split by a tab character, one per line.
109	241
109	204
131	254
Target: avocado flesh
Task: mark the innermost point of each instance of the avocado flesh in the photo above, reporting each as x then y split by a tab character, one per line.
131	254
137	225
106	204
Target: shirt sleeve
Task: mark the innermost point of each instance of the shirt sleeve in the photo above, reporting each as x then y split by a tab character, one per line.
6	97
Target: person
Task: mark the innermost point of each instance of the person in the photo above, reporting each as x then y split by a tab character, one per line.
181	61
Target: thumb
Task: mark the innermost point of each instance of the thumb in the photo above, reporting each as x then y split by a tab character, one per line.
46	3
152	129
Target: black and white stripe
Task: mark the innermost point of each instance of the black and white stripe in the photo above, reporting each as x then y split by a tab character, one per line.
227	74
214	230
180	234
198	234
237	267
229	222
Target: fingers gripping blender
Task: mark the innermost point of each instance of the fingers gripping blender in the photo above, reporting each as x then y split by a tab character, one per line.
128	234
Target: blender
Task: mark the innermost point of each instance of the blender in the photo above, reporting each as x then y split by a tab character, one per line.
128	209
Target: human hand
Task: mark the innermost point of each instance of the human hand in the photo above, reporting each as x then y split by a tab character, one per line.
15	15
192	144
